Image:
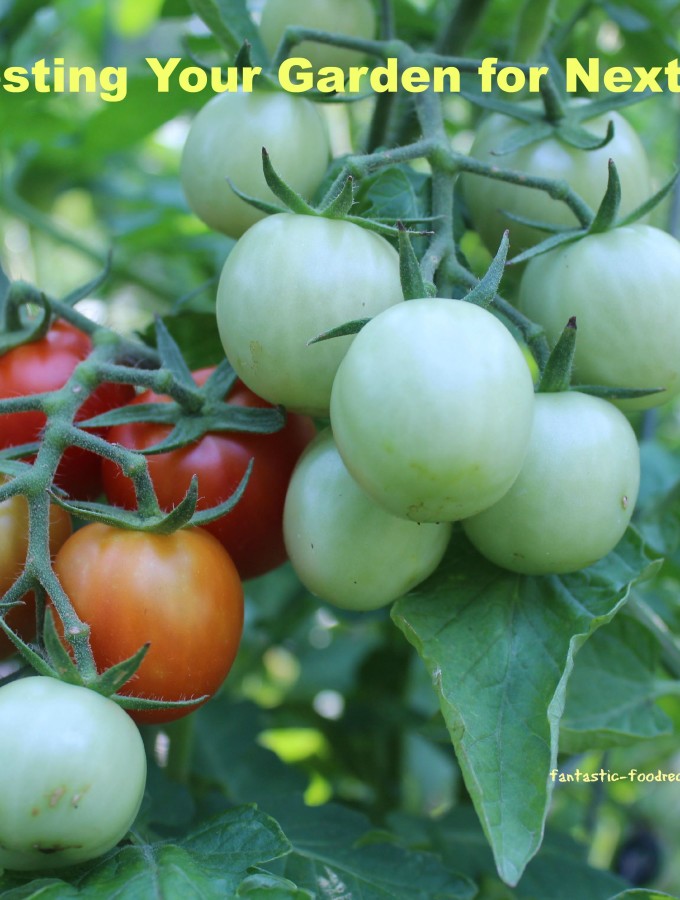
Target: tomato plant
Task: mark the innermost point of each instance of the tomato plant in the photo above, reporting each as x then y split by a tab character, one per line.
622	287
585	171
45	365
72	774
252	532
420	404
13	547
345	548
267	314
226	141
575	494
178	592
350	17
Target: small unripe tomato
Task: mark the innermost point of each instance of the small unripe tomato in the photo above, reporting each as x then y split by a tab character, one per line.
72	774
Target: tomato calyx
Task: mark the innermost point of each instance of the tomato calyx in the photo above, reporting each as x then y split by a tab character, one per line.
15	330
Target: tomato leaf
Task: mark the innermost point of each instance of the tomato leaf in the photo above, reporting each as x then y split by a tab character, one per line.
475	628
622	660
213	859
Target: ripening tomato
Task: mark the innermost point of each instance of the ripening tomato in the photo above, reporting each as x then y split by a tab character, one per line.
13	546
252	532
46	365
179	592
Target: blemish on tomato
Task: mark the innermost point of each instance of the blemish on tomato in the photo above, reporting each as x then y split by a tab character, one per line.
624	502
56	796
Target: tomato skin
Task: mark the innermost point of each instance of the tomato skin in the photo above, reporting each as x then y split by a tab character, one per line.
180	592
319	273
225	142
355	18
72	774
344	547
46	365
13	547
585	170
432	408
252	532
575	495
622	286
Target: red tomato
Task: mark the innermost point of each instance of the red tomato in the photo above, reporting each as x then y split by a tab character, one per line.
46	365
179	592
13	546
252	532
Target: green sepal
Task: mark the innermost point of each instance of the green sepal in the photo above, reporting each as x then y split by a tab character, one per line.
505	107
271	209
220	382
582	139
606	215
352	327
13	468
558	370
113	679
23	334
340	205
535	223
615	393
59	657
36	661
172	359
206	516
651	203
158	413
141	703
524	137
131	520
550	243
86	290
290	198
483	293
532	30
608	103
412	284
224	417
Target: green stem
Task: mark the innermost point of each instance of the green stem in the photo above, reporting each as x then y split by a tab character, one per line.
181	734
461	25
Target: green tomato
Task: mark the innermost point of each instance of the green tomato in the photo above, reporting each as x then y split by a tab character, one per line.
575	494
623	287
355	18
432	408
72	774
289	279
225	141
344	547
586	171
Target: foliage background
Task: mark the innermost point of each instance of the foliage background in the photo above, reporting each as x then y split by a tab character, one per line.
323	705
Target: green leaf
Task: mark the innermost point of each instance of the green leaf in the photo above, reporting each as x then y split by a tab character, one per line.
612	691
559	872
643	894
499	648
335	855
230	23
210	863
394	193
196	336
264	886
